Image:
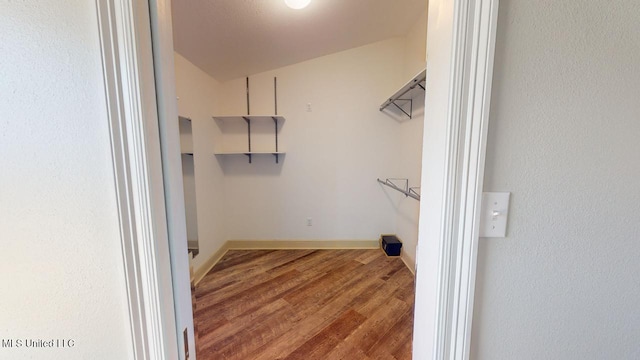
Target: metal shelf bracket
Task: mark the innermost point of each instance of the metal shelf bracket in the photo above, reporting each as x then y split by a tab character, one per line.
418	81
248	120
412	192
275	128
410	113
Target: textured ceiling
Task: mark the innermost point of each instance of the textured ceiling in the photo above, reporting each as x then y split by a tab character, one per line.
235	38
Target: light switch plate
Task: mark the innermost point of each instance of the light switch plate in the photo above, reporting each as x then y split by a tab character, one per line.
494	214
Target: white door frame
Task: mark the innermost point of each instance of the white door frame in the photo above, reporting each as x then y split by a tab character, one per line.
453	169
125	40
460	45
163	57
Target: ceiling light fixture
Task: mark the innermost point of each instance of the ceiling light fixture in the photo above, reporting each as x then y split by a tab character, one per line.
297	4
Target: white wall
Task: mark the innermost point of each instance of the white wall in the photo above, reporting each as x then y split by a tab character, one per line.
334	153
415	52
410	144
197	99
61	265
564	139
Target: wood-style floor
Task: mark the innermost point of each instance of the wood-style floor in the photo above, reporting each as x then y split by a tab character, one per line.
305	304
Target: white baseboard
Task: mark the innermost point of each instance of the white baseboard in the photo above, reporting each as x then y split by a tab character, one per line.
209	264
408	262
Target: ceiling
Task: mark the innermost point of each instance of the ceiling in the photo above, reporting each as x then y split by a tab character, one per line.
235	38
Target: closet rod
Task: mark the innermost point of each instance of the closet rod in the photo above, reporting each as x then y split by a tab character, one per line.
407	191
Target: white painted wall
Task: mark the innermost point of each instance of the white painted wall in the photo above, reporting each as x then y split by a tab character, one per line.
198	97
563	138
415	52
334	153
61	264
410	145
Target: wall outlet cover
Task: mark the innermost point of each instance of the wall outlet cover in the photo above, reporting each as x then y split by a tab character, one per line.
494	214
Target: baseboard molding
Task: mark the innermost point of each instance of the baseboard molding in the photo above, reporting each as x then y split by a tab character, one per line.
286	245
209	264
409	263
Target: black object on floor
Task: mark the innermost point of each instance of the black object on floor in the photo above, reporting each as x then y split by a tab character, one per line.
391	245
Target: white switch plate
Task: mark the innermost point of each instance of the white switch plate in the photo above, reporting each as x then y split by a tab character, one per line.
494	214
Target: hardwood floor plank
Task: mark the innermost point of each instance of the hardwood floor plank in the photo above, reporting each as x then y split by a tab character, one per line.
404	352
305	304
240	282
255	296
314	318
256	334
383	355
321	287
369	256
303	257
218	337
378	324
395	339
260	262
239	259
327	339
328	259
378	301
347	351
317	313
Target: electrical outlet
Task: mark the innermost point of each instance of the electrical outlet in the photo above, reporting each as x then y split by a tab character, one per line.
308	107
309	221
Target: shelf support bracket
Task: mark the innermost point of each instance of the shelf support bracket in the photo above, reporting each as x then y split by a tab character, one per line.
248	136
405	189
410	113
418	81
275	129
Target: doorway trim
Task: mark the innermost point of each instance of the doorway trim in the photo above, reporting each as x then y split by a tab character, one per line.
164	69
444	297
127	64
449	225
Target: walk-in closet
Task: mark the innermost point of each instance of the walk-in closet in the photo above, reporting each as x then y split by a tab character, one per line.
301	139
